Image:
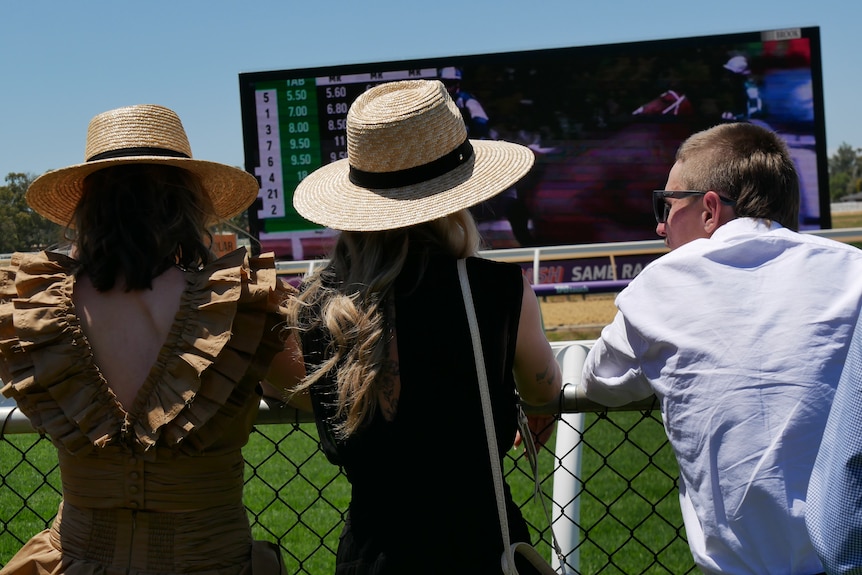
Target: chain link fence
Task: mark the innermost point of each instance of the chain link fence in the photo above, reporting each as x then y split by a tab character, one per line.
610	475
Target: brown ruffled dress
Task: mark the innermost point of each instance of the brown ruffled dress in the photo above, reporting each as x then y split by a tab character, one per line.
156	490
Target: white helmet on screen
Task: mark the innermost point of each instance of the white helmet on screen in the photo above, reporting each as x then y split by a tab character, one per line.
738	65
450	73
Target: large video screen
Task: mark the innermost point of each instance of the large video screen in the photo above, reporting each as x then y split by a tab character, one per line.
604	122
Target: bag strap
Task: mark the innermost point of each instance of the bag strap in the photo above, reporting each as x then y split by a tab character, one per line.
485	396
490	431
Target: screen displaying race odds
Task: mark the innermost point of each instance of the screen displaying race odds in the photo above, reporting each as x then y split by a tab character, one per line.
604	122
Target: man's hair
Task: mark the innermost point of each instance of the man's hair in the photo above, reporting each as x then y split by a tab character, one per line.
747	163
135	221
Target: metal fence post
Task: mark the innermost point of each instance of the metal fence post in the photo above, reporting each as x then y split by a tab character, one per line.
567	484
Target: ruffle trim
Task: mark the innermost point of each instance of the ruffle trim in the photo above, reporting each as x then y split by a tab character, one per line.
220	345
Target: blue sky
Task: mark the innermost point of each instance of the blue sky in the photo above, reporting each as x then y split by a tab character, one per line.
63	62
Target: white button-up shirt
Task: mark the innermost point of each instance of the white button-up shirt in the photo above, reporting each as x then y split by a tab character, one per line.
742	337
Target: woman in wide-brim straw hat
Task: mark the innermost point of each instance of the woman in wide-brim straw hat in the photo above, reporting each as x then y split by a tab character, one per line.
141	356
386	341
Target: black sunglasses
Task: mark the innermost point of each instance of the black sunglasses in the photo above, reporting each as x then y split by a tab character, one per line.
661	208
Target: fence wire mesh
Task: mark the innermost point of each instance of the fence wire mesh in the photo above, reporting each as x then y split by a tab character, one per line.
627	517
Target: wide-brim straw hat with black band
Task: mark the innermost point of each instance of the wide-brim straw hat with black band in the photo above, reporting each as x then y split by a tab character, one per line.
408	161
142	134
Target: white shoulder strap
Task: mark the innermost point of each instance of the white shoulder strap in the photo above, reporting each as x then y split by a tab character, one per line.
485	396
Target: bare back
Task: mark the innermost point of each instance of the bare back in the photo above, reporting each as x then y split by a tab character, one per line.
126	330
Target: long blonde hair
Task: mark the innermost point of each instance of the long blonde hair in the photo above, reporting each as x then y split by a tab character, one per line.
351	302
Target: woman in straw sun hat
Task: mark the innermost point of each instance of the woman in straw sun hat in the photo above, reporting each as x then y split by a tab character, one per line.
386	341
142	357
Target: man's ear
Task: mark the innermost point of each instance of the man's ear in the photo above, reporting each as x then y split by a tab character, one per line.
712	216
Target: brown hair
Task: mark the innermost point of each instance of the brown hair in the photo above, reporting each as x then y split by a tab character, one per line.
134	221
747	163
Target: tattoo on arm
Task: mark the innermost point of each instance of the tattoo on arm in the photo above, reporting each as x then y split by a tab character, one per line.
545	376
390	388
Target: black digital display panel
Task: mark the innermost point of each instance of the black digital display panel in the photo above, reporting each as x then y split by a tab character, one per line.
604	122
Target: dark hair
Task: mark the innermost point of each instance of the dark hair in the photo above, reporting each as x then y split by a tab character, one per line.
135	221
747	163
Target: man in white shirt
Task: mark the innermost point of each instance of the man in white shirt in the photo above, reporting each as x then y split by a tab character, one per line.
741	331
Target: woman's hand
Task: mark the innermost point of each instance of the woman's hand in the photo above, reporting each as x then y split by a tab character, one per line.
541	427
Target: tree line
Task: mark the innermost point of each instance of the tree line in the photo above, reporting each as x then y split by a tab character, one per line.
22	229
845	172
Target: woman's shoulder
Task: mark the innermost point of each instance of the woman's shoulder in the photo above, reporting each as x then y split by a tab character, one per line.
41	275
492	271
46	366
241	277
43	263
490	264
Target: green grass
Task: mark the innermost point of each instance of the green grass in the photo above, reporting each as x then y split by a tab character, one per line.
30	490
629	505
297	496
629	509
847	220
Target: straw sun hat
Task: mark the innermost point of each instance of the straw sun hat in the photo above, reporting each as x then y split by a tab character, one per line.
408	161
142	134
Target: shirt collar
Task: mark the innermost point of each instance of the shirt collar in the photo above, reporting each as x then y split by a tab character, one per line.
743	226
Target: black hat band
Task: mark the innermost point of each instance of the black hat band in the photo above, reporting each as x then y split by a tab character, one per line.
414	175
143	151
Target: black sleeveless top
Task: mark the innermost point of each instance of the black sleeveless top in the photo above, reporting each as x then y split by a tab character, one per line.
422	492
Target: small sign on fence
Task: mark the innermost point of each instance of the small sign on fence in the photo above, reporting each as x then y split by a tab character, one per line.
223	244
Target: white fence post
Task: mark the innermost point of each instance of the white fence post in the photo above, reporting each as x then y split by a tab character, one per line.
566	513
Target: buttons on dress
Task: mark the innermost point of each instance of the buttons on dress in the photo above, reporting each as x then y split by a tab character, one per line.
134	472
